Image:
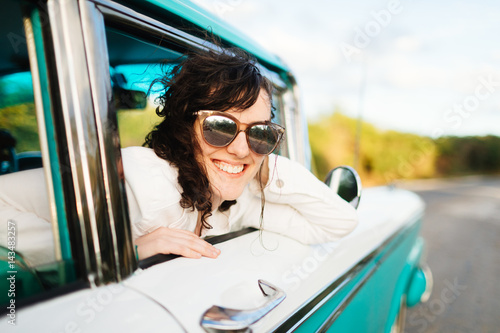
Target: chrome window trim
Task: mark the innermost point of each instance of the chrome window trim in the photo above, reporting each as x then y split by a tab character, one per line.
289	110
42	134
81	134
126	15
296	124
298	317
123	14
121	246
303	146
279	105
274	77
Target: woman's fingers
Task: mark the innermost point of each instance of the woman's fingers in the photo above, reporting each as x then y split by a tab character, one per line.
191	246
174	241
193	249
185	242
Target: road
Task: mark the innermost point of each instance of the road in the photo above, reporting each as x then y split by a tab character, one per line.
462	231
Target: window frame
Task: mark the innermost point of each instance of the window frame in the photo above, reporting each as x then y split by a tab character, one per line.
85	175
79	107
99	14
42	66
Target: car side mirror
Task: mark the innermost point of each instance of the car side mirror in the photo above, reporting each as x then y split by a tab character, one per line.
346	182
126	99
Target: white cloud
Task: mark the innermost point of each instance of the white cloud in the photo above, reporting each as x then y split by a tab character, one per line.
428	58
407	44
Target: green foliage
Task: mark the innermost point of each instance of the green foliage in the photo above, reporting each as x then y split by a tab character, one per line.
385	156
134	125
458	155
20	121
17	111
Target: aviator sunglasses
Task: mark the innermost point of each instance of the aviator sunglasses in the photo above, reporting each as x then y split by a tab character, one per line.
220	129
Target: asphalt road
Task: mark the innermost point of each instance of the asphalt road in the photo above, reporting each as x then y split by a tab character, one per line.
462	231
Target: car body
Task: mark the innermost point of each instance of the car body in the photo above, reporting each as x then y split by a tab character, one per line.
69	67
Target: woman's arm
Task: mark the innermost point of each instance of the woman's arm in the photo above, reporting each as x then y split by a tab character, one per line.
159	224
298	205
174	241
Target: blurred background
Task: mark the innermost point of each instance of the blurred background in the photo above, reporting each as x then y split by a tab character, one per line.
407	92
423	77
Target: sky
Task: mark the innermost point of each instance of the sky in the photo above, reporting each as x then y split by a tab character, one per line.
418	66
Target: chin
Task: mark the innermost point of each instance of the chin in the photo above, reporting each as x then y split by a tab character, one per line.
231	196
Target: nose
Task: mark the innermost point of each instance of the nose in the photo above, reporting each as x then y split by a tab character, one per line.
239	146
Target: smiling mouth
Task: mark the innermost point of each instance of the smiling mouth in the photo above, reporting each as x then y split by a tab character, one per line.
229	168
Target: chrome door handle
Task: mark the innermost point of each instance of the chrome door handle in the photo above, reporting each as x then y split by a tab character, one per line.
218	318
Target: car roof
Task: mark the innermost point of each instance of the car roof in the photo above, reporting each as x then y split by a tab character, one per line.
200	17
13	57
11	60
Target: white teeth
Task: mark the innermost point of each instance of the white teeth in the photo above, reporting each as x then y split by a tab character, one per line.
228	167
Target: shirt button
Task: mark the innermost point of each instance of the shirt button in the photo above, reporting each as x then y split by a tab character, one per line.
280	183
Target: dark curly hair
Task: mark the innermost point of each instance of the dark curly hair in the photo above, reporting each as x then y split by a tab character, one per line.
205	80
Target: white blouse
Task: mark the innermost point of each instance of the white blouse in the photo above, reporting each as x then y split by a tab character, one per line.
298	205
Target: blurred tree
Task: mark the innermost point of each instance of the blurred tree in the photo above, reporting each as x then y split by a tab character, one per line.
384	155
17	111
465	155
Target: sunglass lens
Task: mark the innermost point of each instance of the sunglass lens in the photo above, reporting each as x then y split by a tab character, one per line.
219	131
262	139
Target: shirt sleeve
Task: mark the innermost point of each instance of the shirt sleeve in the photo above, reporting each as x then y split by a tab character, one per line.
153	193
297	205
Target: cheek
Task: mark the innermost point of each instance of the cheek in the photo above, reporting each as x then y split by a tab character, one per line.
205	150
258	163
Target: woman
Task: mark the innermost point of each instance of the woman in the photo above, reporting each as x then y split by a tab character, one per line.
208	168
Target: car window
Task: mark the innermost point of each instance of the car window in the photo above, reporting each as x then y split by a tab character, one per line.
135	121
134	65
279	117
28	261
136	59
19	132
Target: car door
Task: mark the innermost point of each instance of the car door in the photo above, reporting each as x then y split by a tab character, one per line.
323	284
58	251
91	64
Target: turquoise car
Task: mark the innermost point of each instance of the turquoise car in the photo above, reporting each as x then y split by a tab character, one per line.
74	78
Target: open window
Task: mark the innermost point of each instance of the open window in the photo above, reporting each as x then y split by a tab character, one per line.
139	53
35	256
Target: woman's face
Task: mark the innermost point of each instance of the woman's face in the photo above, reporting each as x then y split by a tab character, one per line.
232	167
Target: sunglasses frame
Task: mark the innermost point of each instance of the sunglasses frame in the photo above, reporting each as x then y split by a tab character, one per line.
204	114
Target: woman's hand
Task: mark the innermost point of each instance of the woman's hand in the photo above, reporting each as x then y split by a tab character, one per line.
174	241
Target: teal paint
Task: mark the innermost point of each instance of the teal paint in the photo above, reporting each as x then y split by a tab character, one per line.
417	288
412	249
375	305
64	240
207	21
